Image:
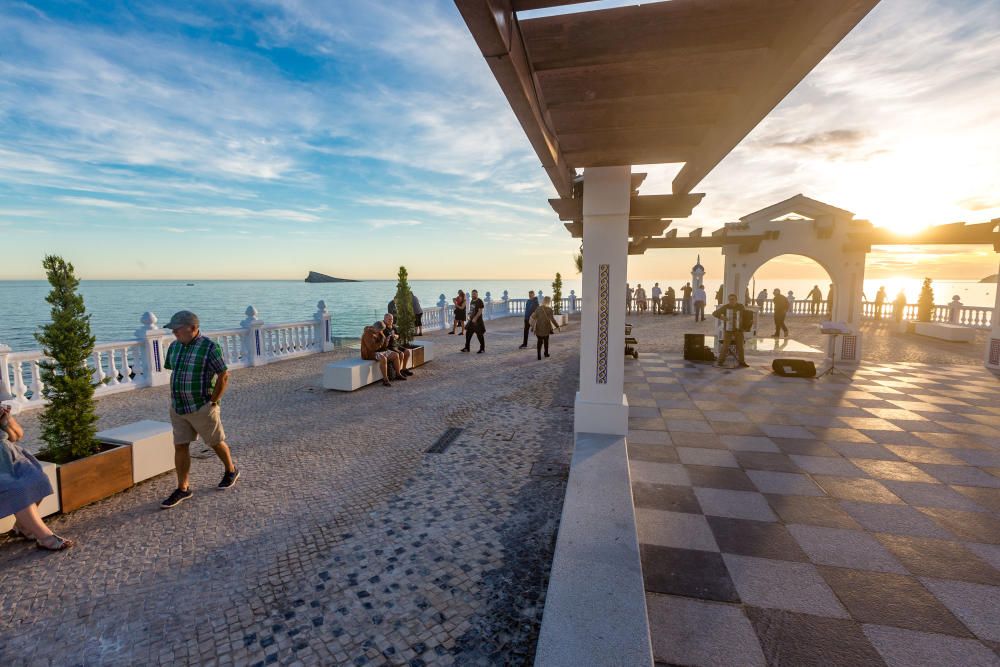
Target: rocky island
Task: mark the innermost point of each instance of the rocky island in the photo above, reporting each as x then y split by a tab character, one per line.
315	277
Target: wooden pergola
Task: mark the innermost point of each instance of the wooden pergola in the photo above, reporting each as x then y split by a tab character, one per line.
682	81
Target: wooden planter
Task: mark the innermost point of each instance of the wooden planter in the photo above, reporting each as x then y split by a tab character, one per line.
417	356
95	477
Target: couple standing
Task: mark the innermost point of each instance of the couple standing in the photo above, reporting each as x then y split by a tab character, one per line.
541	320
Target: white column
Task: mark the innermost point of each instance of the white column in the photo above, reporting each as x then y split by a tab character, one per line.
322	317
154	342
5	386
992	356
601	406
254	343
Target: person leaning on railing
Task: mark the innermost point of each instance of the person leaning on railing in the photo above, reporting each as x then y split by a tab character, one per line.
23	485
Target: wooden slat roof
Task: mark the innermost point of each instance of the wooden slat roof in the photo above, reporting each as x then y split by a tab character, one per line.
667	82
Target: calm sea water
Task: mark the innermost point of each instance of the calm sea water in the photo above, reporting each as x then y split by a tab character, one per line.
115	306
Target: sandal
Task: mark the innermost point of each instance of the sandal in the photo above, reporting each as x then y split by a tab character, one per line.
55	543
17	532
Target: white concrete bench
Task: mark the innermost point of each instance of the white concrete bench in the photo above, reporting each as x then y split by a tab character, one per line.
152	447
949	332
352	374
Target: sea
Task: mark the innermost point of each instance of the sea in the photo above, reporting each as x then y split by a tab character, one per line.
115	306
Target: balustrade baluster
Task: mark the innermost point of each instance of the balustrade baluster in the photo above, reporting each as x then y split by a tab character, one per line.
98	376
20	390
36	382
126	369
112	368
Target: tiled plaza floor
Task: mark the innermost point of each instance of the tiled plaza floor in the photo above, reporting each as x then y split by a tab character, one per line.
839	521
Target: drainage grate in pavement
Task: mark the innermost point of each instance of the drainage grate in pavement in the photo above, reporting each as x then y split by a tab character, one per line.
449	436
549	469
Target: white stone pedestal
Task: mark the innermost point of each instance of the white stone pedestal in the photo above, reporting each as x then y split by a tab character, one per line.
152	447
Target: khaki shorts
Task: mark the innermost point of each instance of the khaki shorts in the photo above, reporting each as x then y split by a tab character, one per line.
206	422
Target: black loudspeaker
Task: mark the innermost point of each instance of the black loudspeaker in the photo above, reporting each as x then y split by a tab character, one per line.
692	346
794	368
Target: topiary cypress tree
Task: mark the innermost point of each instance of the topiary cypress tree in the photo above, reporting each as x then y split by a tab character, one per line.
925	304
557	294
405	320
69	423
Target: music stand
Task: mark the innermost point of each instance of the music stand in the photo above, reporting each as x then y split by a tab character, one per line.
832	370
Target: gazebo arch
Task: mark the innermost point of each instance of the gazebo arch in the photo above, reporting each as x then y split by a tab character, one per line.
822	234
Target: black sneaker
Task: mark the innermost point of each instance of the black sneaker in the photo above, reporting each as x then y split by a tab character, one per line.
176	498
481	351
229	479
408	373
400	378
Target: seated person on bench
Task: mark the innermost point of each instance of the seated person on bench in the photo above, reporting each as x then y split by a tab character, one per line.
373	348
392	342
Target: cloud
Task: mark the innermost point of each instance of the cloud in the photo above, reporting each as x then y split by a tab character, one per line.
829	144
980	203
379	224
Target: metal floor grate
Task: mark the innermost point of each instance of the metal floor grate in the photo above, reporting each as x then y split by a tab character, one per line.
448	437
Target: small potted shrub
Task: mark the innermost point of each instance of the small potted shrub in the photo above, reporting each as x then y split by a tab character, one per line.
88	469
925	304
406	320
561	318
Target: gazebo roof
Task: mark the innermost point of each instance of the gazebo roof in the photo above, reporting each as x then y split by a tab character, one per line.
666	82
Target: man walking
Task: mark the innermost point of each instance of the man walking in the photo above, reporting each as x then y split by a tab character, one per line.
198	381
780	311
686	291
732	316
700	299
529	307
656	293
476	323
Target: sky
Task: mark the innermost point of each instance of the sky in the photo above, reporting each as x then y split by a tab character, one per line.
267	138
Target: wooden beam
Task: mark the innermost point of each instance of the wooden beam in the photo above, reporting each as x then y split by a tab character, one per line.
809	32
655	207
636	228
950	234
667	111
528	5
651	31
494	27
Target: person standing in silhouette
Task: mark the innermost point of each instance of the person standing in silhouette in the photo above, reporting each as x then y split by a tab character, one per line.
781	306
476	324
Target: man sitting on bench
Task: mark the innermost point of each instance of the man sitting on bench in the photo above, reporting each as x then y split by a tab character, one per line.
373	348
392	342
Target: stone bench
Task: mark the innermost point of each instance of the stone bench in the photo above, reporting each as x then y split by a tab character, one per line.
152	447
950	332
352	374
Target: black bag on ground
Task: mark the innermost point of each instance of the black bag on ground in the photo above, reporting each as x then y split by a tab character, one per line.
693	342
794	368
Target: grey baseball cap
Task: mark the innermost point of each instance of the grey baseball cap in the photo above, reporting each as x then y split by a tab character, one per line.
182	318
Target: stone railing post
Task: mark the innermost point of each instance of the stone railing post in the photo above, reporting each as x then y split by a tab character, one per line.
322	318
505	300
254	345
955	309
572	301
154	342
488	302
5	393
443	308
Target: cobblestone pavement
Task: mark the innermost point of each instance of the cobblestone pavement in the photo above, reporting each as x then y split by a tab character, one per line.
850	520
344	543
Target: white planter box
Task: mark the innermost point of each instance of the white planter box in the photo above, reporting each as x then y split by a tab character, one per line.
950	332
152	447
428	350
49	504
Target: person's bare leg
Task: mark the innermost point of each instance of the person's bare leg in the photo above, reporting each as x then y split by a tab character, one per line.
396	364
182	461
29	522
226	456
384	367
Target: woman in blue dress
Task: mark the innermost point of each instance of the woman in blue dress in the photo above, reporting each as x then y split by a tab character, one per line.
23	485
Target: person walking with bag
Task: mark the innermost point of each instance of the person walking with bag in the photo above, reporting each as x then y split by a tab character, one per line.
543	321
458	321
529	308
476	323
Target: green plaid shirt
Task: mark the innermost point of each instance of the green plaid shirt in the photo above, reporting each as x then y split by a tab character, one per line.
194	367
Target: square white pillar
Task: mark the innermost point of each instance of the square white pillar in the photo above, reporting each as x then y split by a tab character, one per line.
992	357
601	406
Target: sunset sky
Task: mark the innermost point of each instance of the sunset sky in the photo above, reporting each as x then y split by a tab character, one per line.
265	138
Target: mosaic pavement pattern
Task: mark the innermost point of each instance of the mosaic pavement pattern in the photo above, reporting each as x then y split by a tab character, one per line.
345	541
841	521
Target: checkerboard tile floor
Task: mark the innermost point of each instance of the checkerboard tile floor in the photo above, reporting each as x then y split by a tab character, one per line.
840	521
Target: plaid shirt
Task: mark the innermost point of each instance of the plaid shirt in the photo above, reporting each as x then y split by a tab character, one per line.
194	367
